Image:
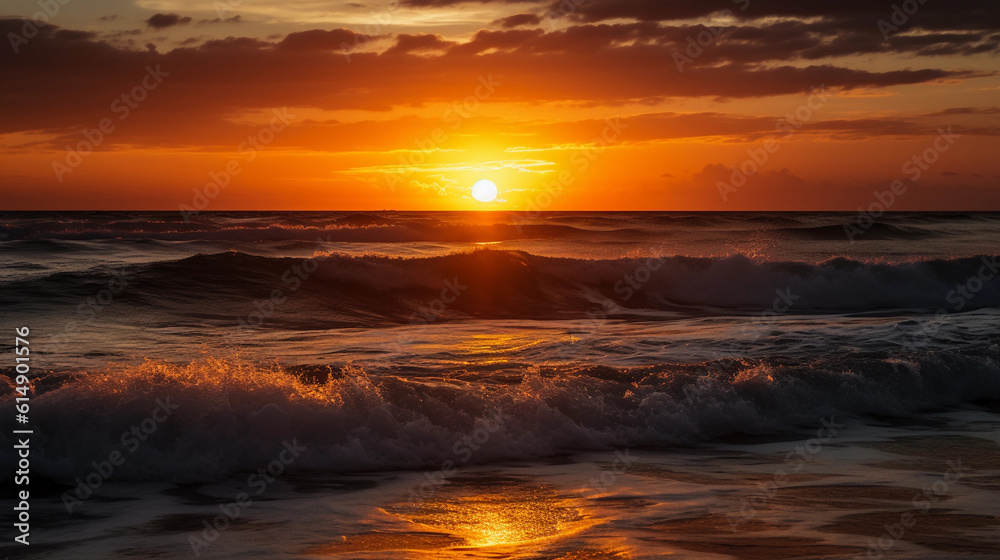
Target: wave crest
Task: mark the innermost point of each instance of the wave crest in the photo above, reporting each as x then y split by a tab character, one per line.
233	416
519	284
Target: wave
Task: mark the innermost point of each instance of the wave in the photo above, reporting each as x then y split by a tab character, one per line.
356	229
391	226
878	230
494	283
230	416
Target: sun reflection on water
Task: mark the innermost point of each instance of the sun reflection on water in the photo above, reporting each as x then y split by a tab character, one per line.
499	519
490	348
481	516
498	512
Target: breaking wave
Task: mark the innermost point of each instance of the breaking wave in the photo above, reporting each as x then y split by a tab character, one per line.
495	283
231	416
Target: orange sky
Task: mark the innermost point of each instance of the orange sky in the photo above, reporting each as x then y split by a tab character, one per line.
571	105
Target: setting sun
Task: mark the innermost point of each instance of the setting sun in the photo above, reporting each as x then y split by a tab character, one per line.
484	191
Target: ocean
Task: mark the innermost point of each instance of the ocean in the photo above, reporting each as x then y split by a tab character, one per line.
555	385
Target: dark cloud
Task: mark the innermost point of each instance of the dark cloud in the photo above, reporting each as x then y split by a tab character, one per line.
790	40
967	111
406	44
235	19
956	14
518	20
161	21
485	40
51	83
318	39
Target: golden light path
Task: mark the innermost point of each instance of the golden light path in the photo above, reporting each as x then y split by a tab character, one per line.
476	517
502	516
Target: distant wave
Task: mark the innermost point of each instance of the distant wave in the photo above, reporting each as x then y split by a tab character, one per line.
287	227
877	230
390	227
233	416
518	284
356	229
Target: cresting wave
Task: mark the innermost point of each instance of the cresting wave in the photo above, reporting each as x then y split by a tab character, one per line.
228	416
499	283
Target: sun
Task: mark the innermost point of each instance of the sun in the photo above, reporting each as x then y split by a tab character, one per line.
484	191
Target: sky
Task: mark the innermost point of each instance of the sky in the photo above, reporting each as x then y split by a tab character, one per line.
563	104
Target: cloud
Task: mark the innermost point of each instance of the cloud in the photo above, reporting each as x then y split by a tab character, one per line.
162	21
485	40
605	65
435	187
518	20
954	15
406	44
318	39
235	19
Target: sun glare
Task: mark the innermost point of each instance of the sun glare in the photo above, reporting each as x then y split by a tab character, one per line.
484	191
